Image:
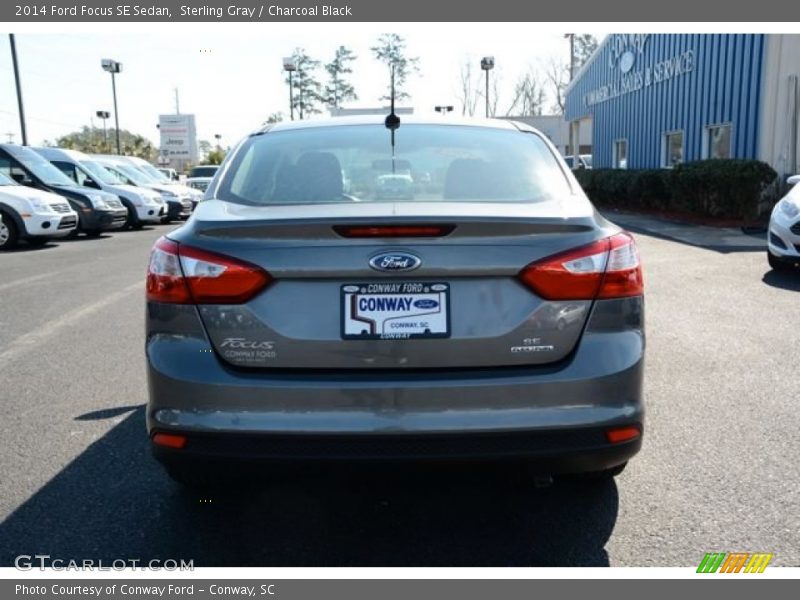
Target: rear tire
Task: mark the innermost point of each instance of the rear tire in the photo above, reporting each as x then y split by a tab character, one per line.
604	474
9	236
194	477
775	264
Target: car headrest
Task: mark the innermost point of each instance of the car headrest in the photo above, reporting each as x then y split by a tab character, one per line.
319	177
467	178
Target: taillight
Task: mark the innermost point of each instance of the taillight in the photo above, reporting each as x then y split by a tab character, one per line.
607	268
184	275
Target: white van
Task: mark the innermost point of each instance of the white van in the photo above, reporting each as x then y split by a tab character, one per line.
178	206
143	205
31	214
194	195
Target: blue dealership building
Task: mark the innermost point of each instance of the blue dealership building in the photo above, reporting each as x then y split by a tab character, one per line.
655	100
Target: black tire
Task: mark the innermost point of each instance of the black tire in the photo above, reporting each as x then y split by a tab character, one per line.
92	232
604	474
196	478
775	264
133	222
37	241
9	236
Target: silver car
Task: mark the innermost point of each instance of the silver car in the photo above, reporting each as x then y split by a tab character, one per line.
496	315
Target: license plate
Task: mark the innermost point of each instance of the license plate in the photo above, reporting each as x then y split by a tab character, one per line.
395	311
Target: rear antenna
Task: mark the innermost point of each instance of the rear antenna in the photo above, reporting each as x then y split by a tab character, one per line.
392	121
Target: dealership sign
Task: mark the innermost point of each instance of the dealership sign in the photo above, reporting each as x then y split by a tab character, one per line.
178	137
624	51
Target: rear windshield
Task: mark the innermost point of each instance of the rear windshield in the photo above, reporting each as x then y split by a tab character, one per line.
203	172
359	163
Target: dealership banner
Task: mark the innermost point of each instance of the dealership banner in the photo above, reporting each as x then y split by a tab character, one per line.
408	10
728	587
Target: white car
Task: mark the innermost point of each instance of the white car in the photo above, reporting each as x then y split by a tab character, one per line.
170	174
157	176
179	205
143	205
33	215
200	176
783	243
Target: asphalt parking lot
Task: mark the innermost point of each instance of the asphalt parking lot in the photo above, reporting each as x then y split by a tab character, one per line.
718	471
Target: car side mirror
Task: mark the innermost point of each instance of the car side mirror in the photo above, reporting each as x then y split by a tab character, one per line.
794	179
91	183
22	179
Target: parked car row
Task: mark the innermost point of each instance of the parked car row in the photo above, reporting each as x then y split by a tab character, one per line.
54	192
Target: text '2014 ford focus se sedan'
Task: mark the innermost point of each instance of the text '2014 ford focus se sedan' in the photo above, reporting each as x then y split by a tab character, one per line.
494	315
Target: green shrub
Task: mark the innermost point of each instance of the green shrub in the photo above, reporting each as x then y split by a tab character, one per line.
722	188
715	188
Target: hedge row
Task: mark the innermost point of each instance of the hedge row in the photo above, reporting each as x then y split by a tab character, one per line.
712	188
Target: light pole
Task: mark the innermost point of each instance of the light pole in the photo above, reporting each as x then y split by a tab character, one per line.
19	89
104	114
218	137
290	66
487	64
113	67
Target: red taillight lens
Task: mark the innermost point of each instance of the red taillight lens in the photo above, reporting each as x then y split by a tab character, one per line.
165	281
607	268
622	434
169	440
185	275
393	231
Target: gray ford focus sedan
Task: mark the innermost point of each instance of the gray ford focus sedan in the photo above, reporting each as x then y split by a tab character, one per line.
490	313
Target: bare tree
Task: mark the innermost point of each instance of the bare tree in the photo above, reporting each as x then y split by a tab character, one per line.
585	45
469	89
529	95
557	73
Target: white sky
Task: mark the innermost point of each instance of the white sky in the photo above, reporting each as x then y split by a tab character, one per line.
231	77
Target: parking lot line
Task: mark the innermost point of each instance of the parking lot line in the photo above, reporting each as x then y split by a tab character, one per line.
32	340
31	279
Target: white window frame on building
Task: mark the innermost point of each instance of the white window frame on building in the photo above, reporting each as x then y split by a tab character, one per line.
707	146
666	163
616	153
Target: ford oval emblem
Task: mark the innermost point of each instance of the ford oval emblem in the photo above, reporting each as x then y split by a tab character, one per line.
394	261
425	303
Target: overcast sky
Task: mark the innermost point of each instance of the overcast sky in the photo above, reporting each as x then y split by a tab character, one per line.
231	78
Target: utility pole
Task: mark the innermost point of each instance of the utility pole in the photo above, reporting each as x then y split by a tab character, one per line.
19	89
571	37
177	103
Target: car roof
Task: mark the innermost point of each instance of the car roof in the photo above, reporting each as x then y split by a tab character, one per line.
76	155
404	119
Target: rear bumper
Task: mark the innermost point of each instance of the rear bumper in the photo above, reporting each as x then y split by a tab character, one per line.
558	451
557	413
